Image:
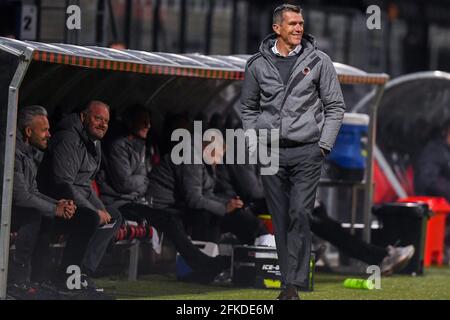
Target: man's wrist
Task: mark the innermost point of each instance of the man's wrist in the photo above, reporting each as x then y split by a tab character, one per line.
324	151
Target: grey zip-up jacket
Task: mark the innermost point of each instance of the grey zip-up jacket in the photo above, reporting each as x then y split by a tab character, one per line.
184	185
71	164
25	190
239	180
123	177
310	108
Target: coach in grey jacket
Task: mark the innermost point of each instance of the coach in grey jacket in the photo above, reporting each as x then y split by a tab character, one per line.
71	165
292	86
31	207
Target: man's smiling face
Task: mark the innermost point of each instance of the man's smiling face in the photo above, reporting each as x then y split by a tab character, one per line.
290	30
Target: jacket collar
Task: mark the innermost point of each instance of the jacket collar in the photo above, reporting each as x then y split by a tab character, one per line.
294	52
23	147
73	123
308	43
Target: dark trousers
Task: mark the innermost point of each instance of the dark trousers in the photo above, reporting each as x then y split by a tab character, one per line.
27	224
290	195
99	241
206	226
169	221
331	231
35	232
79	231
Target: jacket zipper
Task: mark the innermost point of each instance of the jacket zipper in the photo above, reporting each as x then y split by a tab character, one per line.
286	86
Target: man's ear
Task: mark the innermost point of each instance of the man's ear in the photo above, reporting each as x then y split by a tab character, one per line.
276	28
28	132
82	116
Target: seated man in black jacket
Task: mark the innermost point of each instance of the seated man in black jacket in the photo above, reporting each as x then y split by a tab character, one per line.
243	180
189	190
432	169
432	173
123	183
30	207
68	170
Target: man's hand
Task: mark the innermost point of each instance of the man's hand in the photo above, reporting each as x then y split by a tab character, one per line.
104	217
69	203
234	204
65	209
324	151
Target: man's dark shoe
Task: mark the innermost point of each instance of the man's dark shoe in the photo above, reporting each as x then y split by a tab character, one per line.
289	293
86	291
29	291
223	278
88	283
83	294
49	289
22	291
213	267
91	291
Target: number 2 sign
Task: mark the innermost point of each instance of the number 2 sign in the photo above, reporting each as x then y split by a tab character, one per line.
28	22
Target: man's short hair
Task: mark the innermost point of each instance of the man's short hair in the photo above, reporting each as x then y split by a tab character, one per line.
134	111
27	114
92	103
131	114
277	16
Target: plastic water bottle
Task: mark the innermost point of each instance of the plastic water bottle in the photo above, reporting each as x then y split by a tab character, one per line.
312	266
358	284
